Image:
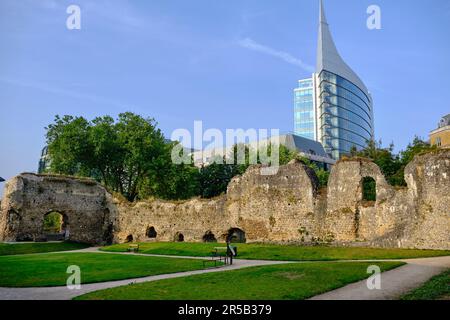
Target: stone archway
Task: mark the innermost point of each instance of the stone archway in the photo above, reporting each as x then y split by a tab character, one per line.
151	233
179	237
209	237
55	227
236	235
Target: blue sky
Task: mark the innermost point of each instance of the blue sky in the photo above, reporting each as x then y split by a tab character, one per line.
229	63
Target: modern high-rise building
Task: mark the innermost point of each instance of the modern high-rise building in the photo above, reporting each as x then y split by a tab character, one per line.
334	106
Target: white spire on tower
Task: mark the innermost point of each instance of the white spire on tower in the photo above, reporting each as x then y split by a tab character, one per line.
328	57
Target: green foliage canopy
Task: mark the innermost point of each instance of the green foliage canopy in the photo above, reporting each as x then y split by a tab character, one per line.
393	165
129	156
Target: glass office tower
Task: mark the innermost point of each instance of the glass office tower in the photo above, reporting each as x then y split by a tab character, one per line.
342	107
304	118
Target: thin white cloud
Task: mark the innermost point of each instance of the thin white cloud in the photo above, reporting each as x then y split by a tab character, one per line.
253	45
63	92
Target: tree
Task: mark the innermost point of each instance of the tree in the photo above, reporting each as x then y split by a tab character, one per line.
321	173
108	155
121	154
68	143
171	181
53	222
393	165
214	178
416	147
142	146
241	165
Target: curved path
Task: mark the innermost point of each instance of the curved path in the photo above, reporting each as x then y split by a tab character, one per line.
394	282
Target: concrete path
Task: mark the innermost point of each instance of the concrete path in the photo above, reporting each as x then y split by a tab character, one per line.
394	283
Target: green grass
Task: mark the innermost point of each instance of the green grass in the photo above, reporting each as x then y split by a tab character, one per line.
279	282
27	248
436	288
43	270
279	252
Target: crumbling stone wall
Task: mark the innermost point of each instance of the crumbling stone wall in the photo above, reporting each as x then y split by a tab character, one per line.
417	216
428	178
278	207
85	205
285	207
192	219
348	217
252	204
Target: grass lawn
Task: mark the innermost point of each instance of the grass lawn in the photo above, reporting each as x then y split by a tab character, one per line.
44	270
279	282
436	288
7	249
279	252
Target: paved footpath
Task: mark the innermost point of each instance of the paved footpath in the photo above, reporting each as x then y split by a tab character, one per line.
394	282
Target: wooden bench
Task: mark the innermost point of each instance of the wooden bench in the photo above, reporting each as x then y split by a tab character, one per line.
219	254
133	248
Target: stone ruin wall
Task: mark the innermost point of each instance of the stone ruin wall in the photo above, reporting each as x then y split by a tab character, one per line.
193	219
286	207
84	204
417	216
252	204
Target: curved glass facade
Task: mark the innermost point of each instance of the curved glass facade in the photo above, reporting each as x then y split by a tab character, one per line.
345	115
334	107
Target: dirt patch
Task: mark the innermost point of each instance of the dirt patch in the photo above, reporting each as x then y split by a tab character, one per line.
291	275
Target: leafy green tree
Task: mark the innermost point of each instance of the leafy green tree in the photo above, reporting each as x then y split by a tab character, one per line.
416	147
108	155
53	222
68	143
369	189
393	165
143	145
214	178
171	181
388	162
121	154
241	165
321	173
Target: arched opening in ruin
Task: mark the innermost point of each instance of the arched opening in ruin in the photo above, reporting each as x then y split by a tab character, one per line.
179	237
209	237
369	190
55	226
151	232
236	235
129	238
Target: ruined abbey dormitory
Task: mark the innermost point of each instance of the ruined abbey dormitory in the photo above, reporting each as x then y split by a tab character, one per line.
286	207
